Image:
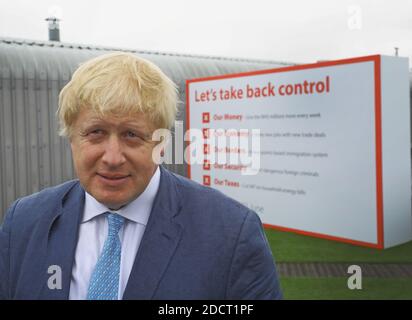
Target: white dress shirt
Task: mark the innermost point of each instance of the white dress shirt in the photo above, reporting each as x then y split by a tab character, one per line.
93	232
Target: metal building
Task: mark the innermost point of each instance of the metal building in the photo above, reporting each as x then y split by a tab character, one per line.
32	73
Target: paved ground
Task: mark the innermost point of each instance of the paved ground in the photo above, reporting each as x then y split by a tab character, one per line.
318	270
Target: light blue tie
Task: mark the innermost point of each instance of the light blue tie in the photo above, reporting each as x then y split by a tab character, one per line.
104	282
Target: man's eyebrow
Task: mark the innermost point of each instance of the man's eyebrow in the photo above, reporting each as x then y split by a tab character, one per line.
133	124
93	121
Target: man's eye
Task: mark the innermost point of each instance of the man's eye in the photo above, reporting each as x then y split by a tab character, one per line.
95	132
134	136
131	134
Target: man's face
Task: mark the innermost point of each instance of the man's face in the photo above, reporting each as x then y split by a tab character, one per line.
113	156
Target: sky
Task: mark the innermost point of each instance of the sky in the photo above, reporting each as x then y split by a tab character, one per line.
295	31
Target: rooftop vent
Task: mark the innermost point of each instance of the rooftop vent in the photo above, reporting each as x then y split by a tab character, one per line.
54	29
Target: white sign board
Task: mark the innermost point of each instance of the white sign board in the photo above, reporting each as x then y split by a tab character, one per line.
332	157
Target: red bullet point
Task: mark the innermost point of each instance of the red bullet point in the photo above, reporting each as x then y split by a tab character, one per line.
206	165
205	133
206	180
206	117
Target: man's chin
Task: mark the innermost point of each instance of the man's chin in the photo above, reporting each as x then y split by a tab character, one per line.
114	206
113	198
110	201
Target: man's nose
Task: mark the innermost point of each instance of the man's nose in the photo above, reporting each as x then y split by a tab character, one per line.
113	153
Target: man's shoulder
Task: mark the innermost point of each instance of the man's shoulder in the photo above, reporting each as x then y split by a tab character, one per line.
48	195
29	207
205	199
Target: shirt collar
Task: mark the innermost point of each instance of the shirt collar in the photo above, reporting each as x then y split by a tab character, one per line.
138	210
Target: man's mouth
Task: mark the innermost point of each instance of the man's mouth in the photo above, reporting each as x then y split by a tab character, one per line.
112	178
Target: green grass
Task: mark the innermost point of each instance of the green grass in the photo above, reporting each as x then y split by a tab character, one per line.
291	247
336	289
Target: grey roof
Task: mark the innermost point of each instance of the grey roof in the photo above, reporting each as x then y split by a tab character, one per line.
58	60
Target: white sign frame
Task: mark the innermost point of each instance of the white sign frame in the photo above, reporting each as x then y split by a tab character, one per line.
391	144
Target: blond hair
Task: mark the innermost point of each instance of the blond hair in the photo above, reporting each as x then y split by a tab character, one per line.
118	83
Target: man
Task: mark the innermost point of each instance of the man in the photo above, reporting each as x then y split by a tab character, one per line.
128	228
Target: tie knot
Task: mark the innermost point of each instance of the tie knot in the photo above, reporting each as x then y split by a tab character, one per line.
115	223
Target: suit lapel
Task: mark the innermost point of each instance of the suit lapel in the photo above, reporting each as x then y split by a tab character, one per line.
159	242
62	240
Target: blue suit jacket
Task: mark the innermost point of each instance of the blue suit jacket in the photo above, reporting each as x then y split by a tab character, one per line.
198	244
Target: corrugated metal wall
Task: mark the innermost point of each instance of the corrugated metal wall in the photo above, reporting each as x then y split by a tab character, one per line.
32	155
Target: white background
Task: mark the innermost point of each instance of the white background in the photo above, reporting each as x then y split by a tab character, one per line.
292	31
